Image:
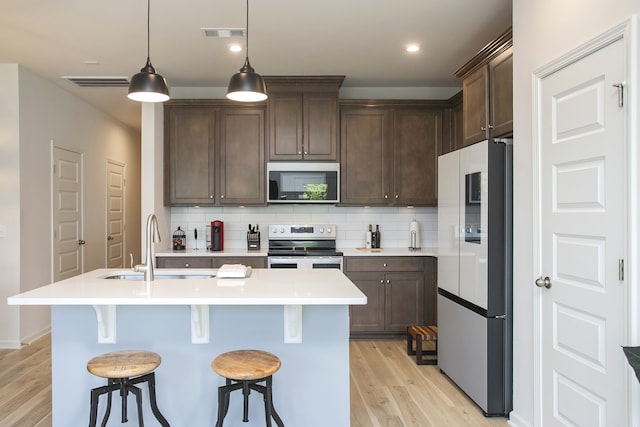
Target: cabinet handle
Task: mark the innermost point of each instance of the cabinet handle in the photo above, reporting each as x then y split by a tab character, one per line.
186	265
384	265
483	128
396	196
386	197
211	196
388	281
381	280
490	127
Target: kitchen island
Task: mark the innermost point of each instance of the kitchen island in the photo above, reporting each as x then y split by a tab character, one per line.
302	316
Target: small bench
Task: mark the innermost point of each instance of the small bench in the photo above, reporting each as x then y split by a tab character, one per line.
422	334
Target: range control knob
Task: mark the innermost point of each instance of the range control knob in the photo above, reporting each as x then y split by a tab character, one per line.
321	229
329	230
281	229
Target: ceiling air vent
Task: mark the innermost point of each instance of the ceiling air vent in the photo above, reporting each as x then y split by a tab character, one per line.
223	33
98	81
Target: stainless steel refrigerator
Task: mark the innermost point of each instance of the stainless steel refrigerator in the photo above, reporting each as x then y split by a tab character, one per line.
475	272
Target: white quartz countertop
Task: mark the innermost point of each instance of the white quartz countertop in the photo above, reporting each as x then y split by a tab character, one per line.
239	252
263	287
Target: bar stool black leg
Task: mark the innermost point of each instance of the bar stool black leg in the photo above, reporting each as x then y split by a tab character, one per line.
110	385
245	395
152	400
272	409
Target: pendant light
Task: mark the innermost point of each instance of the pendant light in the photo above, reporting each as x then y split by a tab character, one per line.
247	85
147	85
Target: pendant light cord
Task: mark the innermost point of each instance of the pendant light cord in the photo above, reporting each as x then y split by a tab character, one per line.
247	31
148	30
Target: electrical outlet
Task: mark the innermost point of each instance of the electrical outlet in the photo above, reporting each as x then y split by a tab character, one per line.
3	230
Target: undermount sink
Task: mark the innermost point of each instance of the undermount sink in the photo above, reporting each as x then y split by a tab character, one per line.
134	276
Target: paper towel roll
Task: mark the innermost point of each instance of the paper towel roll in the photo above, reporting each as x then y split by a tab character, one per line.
414	235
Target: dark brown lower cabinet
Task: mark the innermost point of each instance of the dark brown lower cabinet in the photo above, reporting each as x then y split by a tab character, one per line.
209	262
400	292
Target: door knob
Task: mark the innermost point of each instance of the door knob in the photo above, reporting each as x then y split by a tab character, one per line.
543	282
110	237
81	242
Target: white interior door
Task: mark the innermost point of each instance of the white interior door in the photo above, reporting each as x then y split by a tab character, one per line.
68	229
115	215
582	225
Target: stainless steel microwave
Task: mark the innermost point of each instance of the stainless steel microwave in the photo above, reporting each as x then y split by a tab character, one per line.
303	182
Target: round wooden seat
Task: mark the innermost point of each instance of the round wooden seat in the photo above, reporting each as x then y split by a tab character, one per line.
246	365
124	364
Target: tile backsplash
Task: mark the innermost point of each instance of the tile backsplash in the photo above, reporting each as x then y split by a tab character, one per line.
352	223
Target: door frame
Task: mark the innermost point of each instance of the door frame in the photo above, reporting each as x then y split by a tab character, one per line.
626	31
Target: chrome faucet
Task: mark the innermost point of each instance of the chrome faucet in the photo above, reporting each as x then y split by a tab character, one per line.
153	236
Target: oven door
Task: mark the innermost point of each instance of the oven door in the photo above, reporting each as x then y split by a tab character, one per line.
305	262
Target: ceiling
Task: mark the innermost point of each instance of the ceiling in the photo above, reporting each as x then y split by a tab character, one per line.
361	39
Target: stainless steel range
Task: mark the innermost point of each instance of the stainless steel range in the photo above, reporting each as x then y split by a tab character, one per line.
303	246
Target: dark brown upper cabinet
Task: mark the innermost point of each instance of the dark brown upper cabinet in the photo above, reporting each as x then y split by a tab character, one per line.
214	153
303	117
389	152
487	86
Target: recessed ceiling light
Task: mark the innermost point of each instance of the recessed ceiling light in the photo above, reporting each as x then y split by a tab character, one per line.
235	47
413	47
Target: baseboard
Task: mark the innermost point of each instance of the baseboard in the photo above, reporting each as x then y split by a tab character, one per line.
29	339
516	421
10	345
35	336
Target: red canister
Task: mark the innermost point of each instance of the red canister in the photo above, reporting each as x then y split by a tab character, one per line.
217	235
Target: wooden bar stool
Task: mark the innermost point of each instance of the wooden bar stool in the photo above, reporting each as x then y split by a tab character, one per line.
421	335
123	369
243	369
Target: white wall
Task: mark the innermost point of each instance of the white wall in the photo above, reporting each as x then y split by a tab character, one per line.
10	205
49	115
542	31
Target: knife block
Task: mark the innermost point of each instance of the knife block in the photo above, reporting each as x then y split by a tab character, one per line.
253	241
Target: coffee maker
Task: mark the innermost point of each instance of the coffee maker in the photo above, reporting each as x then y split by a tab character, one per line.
217	235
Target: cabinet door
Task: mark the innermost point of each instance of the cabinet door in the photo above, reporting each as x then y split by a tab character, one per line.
241	148
189	156
320	113
403	300
285	126
369	317
418	132
501	94
365	159
475	106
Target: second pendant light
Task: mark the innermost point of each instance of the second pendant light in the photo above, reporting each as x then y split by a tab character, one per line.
247	85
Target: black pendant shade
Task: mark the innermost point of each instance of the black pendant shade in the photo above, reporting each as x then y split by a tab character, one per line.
147	85
247	85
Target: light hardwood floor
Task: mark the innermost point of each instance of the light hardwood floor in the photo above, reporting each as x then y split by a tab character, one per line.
387	389
25	385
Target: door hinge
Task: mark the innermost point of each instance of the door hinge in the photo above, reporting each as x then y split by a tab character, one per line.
621	270
620	87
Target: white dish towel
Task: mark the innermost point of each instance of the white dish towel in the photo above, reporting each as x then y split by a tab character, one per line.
233	271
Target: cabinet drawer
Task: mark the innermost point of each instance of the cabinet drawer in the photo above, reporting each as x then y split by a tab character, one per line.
384	264
186	262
